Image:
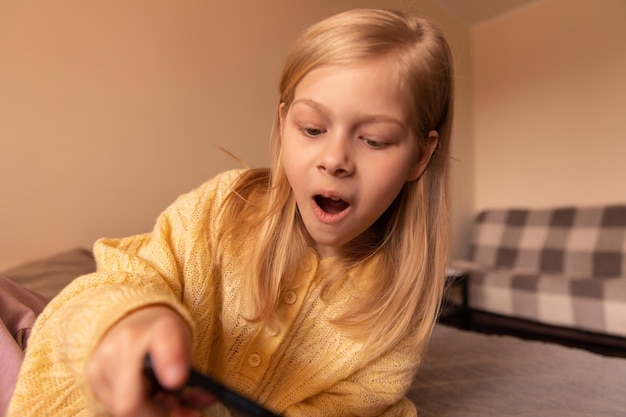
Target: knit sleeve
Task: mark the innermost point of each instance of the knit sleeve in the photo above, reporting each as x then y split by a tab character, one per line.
134	272
377	389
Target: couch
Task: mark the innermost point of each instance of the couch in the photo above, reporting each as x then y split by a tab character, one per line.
562	268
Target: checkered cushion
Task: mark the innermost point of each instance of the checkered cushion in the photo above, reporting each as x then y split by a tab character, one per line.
562	266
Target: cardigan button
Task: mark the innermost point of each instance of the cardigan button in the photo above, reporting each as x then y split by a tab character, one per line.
290	297
254	360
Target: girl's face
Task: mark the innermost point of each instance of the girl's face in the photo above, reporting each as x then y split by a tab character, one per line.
347	149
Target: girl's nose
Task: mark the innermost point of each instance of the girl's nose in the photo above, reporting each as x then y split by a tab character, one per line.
336	157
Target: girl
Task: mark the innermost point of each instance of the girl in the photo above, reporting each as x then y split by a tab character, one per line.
311	287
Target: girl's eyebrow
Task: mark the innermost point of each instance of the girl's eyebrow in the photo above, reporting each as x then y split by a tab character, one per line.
311	103
375	118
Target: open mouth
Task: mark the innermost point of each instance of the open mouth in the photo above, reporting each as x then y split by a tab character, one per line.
331	205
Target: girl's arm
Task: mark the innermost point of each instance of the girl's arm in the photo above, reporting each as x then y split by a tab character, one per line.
377	389
133	273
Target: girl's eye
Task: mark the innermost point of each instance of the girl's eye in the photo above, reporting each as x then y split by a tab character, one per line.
374	144
313	131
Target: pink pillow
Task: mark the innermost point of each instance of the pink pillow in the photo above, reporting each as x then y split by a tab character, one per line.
19	308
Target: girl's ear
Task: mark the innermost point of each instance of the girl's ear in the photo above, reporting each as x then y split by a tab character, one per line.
282	114
425	154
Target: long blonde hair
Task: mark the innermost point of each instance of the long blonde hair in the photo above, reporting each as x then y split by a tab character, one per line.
409	243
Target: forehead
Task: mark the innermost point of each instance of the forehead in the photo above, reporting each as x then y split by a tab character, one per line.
371	85
383	67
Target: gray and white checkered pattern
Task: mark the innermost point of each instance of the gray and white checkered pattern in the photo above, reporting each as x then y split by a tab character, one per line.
563	266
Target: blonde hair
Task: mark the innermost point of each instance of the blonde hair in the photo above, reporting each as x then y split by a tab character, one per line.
408	248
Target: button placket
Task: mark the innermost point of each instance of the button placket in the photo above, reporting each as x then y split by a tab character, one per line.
256	360
261	347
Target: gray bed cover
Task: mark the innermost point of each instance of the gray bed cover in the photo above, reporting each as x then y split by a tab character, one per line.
469	374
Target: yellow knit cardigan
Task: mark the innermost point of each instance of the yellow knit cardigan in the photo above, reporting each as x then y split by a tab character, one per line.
306	367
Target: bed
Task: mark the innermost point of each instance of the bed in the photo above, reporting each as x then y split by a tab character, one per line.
464	373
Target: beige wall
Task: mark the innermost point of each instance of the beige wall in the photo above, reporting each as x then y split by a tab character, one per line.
109	110
550	105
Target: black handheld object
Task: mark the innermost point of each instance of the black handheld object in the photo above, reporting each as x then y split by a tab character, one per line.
200	384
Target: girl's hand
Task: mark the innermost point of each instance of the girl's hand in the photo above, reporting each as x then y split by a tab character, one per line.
115	369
